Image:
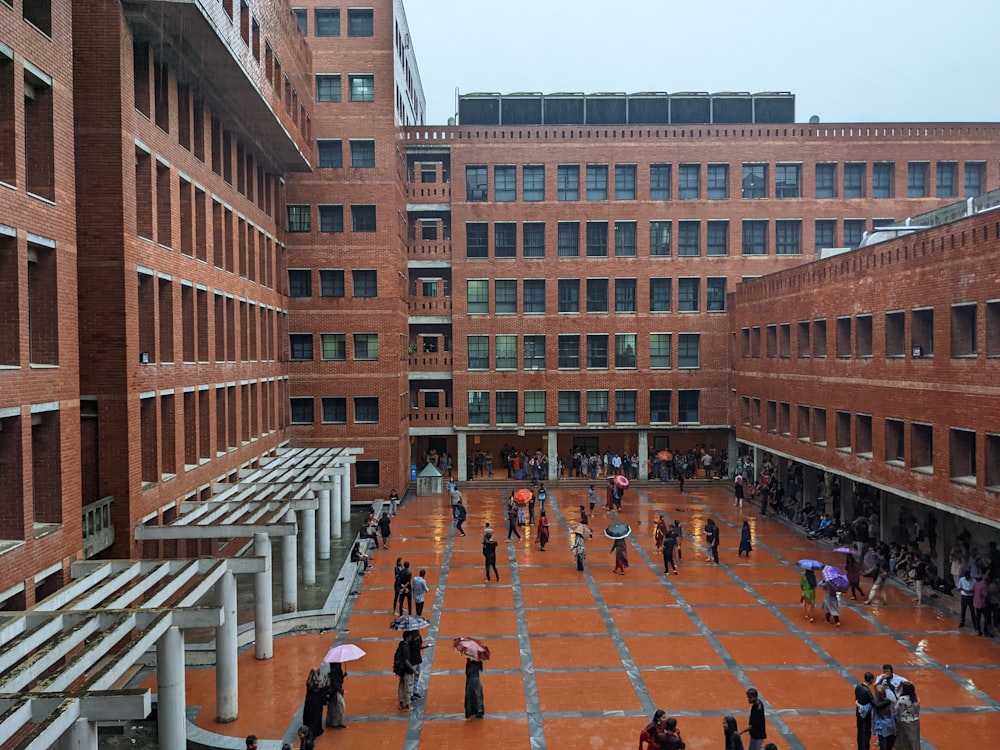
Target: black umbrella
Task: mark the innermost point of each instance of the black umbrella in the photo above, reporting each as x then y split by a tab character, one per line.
409	622
618	531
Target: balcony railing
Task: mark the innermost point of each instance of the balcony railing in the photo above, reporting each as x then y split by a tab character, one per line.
429	306
429	250
98	531
429	192
430	362
440	416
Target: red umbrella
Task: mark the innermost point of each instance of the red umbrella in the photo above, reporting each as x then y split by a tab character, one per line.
665	455
472	648
621	481
522	496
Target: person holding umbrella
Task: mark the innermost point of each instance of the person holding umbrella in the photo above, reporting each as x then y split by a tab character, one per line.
335	658
579	550
475	654
807	585
853	569
834	580
619	532
543	530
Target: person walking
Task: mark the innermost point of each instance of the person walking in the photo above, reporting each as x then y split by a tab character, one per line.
474	700
863	700
907	718
732	733
543	530
406	588
512	521
883	721
395	582
831	604
745	544
738	491
490	554
620	548
317	693
878	585
403	669
420	589
712	539
385	529
680	481
543	495
416	659
579	550
807	585
650	735
459	513
966	588
853	569
335	705
583	515
669	543
757	725
679	534
592	498
659	532
531	511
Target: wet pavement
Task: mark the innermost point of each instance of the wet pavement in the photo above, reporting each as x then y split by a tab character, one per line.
583	659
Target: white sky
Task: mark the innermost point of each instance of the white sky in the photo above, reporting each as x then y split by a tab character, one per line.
845	60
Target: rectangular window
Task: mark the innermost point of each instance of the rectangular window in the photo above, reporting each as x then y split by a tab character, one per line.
334	346
327	22
569	351
362	153
826	231
854	232
688	350
368	473
477	296
597	407
331	218
331	283
625	239
922	334
624	295
755	181
534	352
506	352
659	406
328	88
366	347
688	238
718	182
534	296
624	182
504	183
568	188
625	351
506	407
597	351
826	180
788	236
718	238
334	410
964	338
922	448
687	406
366	410
916	179
534	407
300	346
505	297
819	427
477	243
302	410
659	294
363	218
301	19
946	179
300	218
569	407
475	183
365	282
854	179
625	407
819	337
716	294
505	240
569	295
534	182
331	153
360	22
843	342
569	239
299	282
659	351
975	178
863	346
597	239
754	237
687	294
597	295
883	178
895	327
689	182
479	352
597	182
659	238
534	239
362	88
659	182
787	181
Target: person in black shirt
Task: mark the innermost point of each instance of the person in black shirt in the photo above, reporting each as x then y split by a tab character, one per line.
405	592
490	553
757	727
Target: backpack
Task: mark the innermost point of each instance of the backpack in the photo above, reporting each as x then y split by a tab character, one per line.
399	660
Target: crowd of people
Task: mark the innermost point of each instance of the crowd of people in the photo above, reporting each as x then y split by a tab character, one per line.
663	732
886	707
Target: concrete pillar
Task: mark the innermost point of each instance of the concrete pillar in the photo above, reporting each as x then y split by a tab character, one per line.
462	455
758	463
809	478
323	525
733	452
783	472
643	452
226	652
171	701
82	735
262	596
885	523
345	494
553	455
289	568
336	519
307	524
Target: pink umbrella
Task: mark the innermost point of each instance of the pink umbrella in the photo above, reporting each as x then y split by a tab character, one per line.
342	653
621	481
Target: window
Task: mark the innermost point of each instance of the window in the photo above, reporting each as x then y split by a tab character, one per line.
569	295
964	340
301	19
688	350
506	407
505	183
568	188
299	282
787	181
625	295
659	294
659	351
788	240
993	328
826	180
597	295
922	334
534	239
718	182
718	238
477	244
597	406
962	454
625	239
331	218
360	22
659	182
916	179
331	152
597	351
854	232
334	410
367	473
975	177
534	352
854	180
688	238
362	88
302	410
365	347
625	406
883	177
328	88
534	407
534	182
569	407
479	352
826	230
659	406
299	218
819	337
505	296
365	282
687	406
300	346
895	326
624	182
506	352
716	294
597	182
819	426
947	176
569	239
754	237
569	351
625	351
688	182
597	239
331	283
475	183
863	346
687	294
366	410
922	447
477	296
755	181
334	346
327	22
534	295
363	218
363	154
843	342
659	238
505	240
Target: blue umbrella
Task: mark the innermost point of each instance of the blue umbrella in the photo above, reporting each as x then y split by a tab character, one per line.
810	564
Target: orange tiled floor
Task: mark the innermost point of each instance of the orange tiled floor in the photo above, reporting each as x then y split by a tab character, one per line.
582	659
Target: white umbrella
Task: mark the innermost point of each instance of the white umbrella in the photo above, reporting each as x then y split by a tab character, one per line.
342	653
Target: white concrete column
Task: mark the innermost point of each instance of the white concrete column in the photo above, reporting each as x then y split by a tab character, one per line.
262	599
289	568
553	455
171	701
323	525
336	519
643	452
758	462
227	704
733	451
82	735
345	494
461	457
307	524
809	480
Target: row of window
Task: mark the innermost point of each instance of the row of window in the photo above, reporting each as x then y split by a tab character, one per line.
594	349
330	153
333	347
855	335
713	181
364	282
37	151
360	87
334	409
331	218
502	407
326	21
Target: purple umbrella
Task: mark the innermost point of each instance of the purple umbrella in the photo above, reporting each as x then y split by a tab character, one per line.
846	550
835	577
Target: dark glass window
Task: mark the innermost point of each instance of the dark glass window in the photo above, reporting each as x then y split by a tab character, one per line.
360	22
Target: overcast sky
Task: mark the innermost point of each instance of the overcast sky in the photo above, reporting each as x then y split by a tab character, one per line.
845	60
